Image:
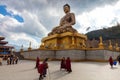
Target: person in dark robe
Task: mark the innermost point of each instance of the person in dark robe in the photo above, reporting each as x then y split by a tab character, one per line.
1	60
37	62
45	67
63	65
8	60
111	61
68	65
11	59
16	59
118	58
40	70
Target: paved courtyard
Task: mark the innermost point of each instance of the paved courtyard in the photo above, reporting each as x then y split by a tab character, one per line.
24	70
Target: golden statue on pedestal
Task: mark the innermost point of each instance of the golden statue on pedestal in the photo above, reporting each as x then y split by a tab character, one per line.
64	36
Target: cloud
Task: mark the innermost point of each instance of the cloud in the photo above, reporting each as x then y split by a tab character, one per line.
19	33
40	16
99	18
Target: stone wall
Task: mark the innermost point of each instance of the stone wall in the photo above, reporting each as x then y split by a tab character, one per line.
101	55
73	54
38	53
76	55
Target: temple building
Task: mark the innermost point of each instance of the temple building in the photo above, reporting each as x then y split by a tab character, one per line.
4	49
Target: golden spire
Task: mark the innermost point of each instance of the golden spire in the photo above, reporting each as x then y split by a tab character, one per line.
21	50
101	46
22	47
110	45
29	46
117	48
101	39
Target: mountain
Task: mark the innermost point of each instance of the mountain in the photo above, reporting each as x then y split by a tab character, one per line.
112	33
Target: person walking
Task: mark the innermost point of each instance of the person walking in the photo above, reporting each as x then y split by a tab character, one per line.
118	58
8	60
1	61
45	67
111	61
68	65
63	64
37	62
40	71
16	59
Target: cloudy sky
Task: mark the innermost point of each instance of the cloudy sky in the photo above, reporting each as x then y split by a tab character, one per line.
22	21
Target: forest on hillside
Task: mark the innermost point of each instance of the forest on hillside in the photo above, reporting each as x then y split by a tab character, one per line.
106	33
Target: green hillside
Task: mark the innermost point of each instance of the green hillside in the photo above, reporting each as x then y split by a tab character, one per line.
107	33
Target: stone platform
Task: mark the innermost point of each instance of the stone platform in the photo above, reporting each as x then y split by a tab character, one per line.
74	54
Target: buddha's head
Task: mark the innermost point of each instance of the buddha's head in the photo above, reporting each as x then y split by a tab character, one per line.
66	8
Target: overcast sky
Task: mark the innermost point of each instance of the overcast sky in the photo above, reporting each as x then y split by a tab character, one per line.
22	21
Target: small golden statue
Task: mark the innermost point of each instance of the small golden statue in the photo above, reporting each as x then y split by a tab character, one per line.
117	48
110	45
101	46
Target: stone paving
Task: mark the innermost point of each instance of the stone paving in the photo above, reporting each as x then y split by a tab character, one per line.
24	70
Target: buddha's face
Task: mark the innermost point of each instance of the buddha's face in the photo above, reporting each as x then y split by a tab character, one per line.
66	9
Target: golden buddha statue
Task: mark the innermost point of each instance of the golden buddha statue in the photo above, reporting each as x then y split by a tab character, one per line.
65	23
64	36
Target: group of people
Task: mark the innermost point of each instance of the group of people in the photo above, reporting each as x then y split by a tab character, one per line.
42	67
66	64
12	59
114	62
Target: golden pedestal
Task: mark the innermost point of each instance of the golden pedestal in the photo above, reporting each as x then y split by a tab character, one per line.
65	40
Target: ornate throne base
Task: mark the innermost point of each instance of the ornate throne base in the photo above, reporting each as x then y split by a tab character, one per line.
66	40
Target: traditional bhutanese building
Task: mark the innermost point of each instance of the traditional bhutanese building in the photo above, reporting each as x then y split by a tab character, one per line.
4	49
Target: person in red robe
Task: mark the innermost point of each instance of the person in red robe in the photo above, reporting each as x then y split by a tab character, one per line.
37	62
63	65
40	70
111	61
68	65
45	67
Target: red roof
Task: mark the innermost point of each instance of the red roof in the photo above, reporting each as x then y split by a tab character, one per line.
6	47
3	42
2	38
